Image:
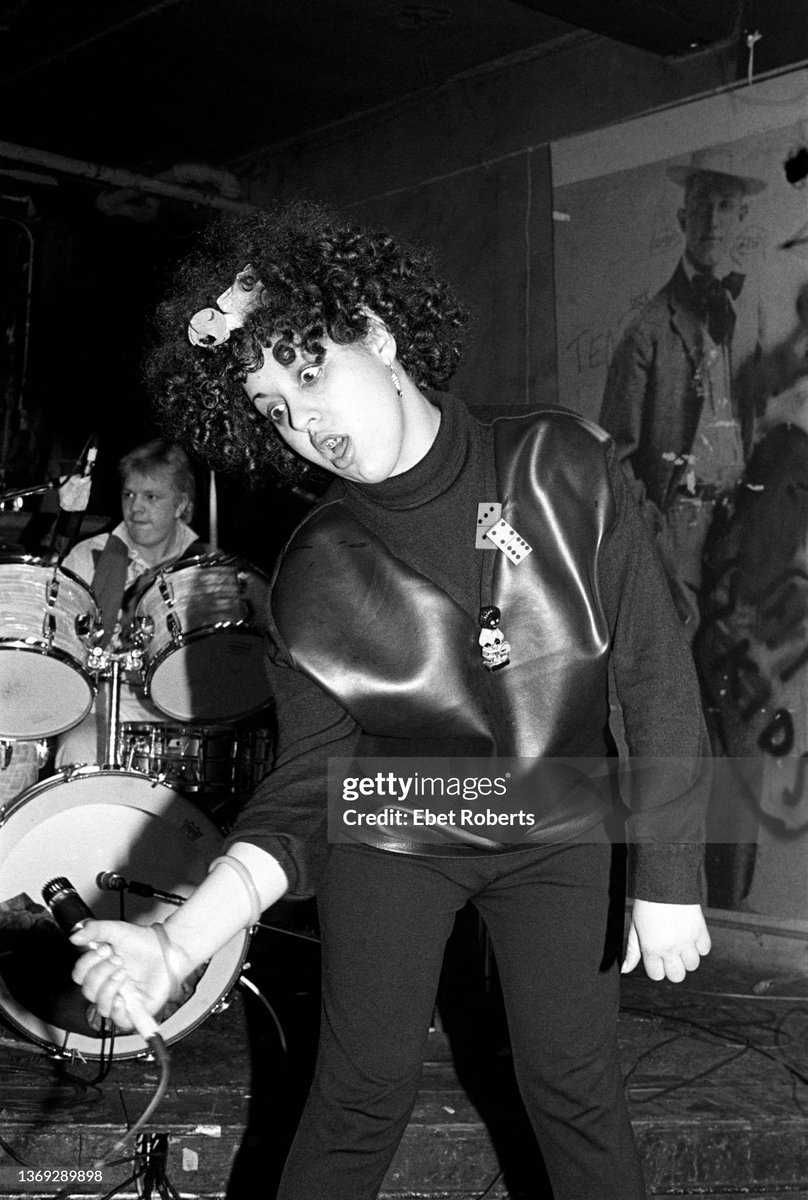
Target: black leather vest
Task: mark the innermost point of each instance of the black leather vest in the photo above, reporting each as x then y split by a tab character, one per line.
402	657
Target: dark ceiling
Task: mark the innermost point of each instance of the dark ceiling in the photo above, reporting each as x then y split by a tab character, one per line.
141	85
133	84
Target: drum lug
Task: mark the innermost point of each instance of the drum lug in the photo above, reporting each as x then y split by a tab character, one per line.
85	625
49	619
221	1005
43	753
90	631
174	627
166	590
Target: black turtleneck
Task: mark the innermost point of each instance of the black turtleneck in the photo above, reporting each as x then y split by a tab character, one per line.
427	517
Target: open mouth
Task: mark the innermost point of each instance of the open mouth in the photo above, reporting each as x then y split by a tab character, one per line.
335	447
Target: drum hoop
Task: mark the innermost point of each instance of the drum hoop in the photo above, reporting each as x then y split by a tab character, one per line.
176	728
128	1045
32	560
85	771
209	560
40	646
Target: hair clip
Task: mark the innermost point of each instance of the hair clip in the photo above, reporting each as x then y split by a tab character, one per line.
212	326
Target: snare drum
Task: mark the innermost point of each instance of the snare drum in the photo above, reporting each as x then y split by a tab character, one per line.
208	760
46	613
80	826
204	623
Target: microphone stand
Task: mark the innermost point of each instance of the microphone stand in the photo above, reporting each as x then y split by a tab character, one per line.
16	496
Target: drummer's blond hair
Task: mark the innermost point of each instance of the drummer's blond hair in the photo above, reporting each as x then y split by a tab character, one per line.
163	456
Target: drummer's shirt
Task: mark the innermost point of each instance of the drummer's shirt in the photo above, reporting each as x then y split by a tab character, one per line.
83	558
85	742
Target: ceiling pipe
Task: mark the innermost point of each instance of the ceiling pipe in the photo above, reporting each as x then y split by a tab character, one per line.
117	177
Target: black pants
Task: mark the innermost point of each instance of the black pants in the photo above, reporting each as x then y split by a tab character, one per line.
385	920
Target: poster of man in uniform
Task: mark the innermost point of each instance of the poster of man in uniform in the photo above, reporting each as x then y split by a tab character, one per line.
681	270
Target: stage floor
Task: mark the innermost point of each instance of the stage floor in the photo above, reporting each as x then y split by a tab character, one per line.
716	1071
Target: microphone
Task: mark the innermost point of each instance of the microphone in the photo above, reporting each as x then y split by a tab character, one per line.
109	881
67	907
90	455
71	913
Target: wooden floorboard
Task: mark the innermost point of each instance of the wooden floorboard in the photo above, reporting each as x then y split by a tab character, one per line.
716	1074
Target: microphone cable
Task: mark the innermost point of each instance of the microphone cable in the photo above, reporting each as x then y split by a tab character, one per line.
70	913
160	1052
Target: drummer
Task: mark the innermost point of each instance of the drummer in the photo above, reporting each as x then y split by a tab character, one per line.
157	505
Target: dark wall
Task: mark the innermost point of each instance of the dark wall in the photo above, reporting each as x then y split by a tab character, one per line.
465	168
501	265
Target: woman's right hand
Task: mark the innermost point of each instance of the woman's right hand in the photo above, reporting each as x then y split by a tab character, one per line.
120	958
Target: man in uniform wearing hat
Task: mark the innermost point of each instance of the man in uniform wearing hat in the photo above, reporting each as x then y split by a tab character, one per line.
672	399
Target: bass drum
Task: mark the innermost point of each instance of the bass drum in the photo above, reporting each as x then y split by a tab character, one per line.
80	826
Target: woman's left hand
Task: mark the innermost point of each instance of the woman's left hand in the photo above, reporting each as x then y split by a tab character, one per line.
669	938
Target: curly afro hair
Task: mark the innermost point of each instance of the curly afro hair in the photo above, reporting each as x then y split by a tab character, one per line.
319	276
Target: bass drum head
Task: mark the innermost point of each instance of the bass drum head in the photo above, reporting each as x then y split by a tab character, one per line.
213	675
79	827
42	692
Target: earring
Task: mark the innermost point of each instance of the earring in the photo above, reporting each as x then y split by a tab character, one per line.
396	381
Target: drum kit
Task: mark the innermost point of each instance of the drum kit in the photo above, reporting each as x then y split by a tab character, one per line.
158	806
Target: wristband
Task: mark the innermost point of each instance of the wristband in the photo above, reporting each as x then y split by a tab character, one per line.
228	860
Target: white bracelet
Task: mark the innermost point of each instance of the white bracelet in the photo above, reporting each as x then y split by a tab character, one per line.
228	860
166	945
